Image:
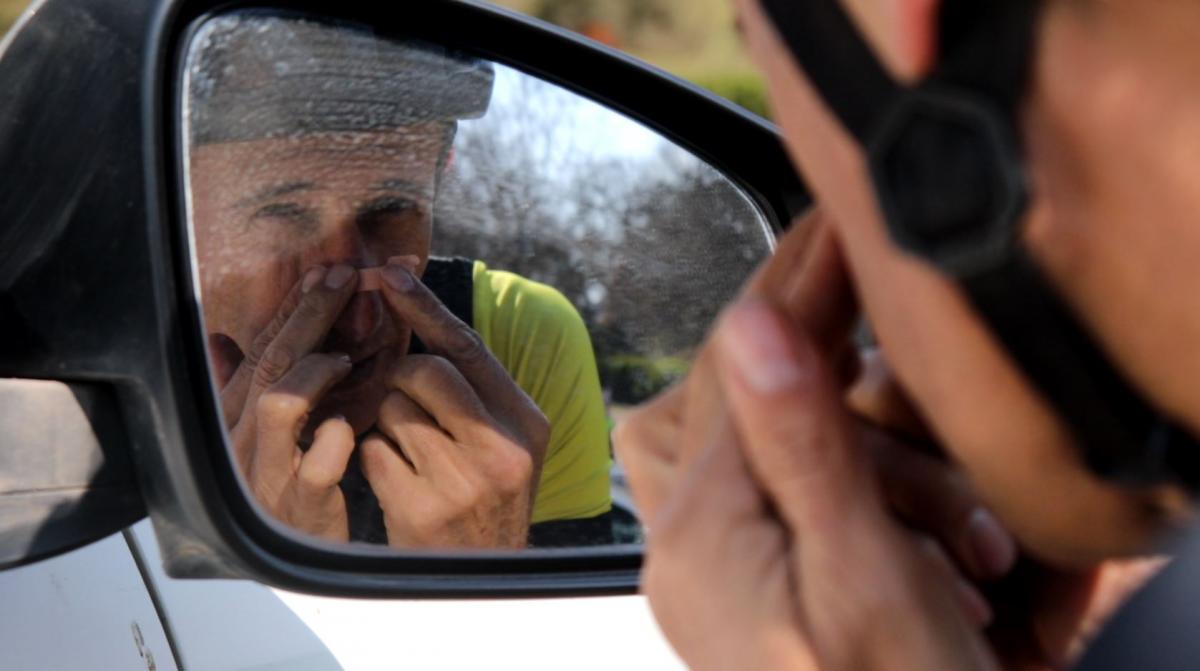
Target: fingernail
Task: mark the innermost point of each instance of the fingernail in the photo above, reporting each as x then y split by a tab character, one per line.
311	278
344	358
978	609
759	347
410	261
338	276
398	278
994	548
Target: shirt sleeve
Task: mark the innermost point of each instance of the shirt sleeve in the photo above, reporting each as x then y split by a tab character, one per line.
540	339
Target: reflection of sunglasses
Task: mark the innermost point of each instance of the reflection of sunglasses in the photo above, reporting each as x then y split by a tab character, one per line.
948	173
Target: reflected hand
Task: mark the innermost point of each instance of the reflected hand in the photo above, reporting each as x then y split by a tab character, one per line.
267	403
460	445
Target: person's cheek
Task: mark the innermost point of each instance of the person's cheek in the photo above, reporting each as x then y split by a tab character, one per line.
250	295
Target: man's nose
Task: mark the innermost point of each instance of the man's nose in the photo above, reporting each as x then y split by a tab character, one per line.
360	318
362	314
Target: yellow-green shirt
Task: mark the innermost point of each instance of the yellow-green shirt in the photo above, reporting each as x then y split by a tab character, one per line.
540	339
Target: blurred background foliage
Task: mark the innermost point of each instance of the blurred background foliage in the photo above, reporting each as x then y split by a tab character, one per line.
9	11
694	39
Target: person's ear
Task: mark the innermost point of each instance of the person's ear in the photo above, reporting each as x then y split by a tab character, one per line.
902	32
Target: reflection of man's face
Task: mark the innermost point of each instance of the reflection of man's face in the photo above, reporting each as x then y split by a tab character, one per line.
267	210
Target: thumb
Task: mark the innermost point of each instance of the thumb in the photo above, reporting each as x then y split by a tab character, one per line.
788	410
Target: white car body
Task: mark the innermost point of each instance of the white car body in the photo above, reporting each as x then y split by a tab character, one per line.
93	608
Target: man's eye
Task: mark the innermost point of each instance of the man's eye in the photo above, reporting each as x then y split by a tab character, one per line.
288	212
387	210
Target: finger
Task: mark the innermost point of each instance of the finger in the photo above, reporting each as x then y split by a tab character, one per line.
791	252
807	278
933	498
787	409
704	415
233	394
646	444
282	411
970	599
412	303
323	296
324	464
877	397
434	384
391	476
821	297
414	433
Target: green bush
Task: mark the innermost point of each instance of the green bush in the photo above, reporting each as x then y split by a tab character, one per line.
745	89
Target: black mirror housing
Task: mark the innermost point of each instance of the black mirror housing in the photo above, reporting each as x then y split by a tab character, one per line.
97	285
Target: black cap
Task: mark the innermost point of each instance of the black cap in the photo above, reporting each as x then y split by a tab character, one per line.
253	76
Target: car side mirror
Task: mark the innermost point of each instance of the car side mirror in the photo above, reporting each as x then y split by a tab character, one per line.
217	224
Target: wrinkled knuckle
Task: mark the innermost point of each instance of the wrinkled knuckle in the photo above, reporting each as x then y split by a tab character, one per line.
429	370
274	364
314	306
415	371
468	496
391	410
514	470
311	483
538	428
463	344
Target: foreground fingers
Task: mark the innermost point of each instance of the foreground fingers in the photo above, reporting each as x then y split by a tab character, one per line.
646	443
931	496
876	395
804	463
854	566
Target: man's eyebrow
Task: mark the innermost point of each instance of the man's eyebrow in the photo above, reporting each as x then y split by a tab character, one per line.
275	191
404	186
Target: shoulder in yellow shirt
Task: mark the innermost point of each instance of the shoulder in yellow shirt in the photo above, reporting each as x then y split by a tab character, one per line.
540	339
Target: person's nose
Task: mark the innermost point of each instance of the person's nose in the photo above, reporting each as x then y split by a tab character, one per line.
363	313
360	318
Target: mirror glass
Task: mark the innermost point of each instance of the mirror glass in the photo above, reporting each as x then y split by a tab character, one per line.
431	284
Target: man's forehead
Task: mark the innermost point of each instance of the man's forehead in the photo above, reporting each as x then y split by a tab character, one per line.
344	157
416	143
403	161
